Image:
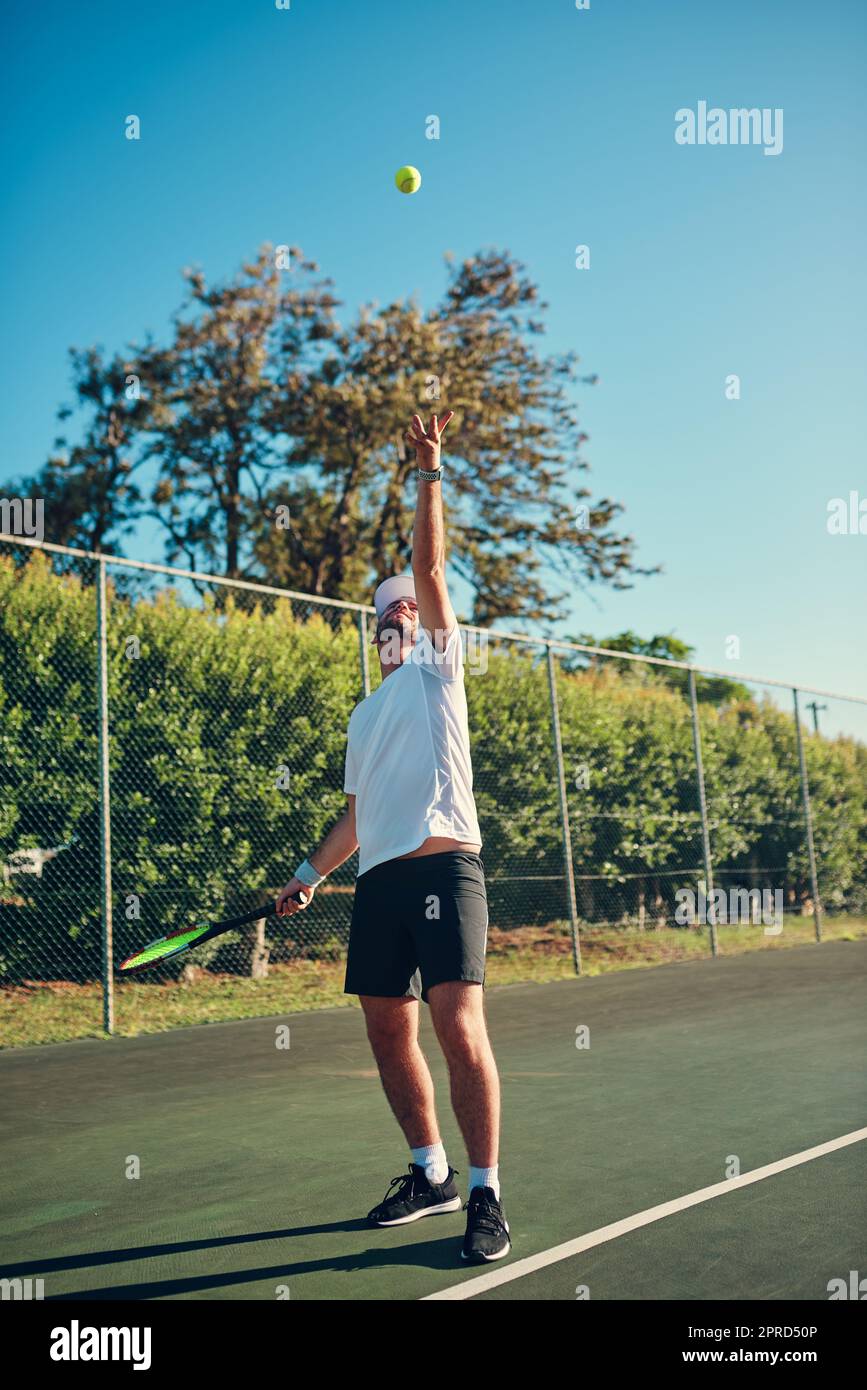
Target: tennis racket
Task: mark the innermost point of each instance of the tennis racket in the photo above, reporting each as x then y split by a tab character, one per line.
165	947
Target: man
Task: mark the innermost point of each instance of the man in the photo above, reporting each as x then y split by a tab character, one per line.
420	917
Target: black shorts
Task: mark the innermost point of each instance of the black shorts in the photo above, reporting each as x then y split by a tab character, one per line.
417	923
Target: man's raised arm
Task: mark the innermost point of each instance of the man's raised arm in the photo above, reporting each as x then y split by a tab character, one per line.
435	611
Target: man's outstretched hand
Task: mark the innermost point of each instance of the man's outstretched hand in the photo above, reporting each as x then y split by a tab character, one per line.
285	905
426	442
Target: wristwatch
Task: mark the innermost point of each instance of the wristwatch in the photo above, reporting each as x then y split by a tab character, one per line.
430	477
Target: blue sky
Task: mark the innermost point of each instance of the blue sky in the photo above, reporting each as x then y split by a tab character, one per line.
557	128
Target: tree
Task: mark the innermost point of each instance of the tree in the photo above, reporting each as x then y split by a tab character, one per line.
666	647
514	451
214	428
91	497
277	439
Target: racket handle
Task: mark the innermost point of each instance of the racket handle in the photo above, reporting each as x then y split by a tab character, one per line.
267	910
300	897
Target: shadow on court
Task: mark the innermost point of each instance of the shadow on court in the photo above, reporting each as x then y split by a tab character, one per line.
156	1167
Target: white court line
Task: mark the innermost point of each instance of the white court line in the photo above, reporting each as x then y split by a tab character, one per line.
506	1273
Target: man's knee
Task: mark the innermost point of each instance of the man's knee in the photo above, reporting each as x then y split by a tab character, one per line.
391	1023
459	1020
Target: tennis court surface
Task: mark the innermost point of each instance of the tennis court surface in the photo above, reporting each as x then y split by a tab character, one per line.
257	1162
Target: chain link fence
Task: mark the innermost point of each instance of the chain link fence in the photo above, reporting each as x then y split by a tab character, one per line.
173	745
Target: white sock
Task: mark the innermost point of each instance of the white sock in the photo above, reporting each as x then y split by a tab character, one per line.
432	1158
486	1177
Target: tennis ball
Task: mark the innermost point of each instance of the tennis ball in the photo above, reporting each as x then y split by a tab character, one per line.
408	179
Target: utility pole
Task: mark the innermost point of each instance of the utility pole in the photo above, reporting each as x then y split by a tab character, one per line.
815	707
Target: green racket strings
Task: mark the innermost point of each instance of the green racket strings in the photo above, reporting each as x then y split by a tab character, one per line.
158	950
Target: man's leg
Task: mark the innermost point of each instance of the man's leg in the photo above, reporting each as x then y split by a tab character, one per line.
428	1188
457	1011
392	1027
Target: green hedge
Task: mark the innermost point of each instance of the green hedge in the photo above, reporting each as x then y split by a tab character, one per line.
218	699
201	721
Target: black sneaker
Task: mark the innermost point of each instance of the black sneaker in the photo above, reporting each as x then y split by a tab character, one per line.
415	1197
487	1236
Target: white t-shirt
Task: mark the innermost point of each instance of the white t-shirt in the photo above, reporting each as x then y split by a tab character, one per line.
408	757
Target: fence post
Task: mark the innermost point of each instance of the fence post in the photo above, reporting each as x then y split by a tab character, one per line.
808	819
362	647
104	804
564	812
702	805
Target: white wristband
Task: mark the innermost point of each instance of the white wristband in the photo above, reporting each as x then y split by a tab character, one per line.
309	875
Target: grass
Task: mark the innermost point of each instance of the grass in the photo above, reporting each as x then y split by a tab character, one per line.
56	1011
